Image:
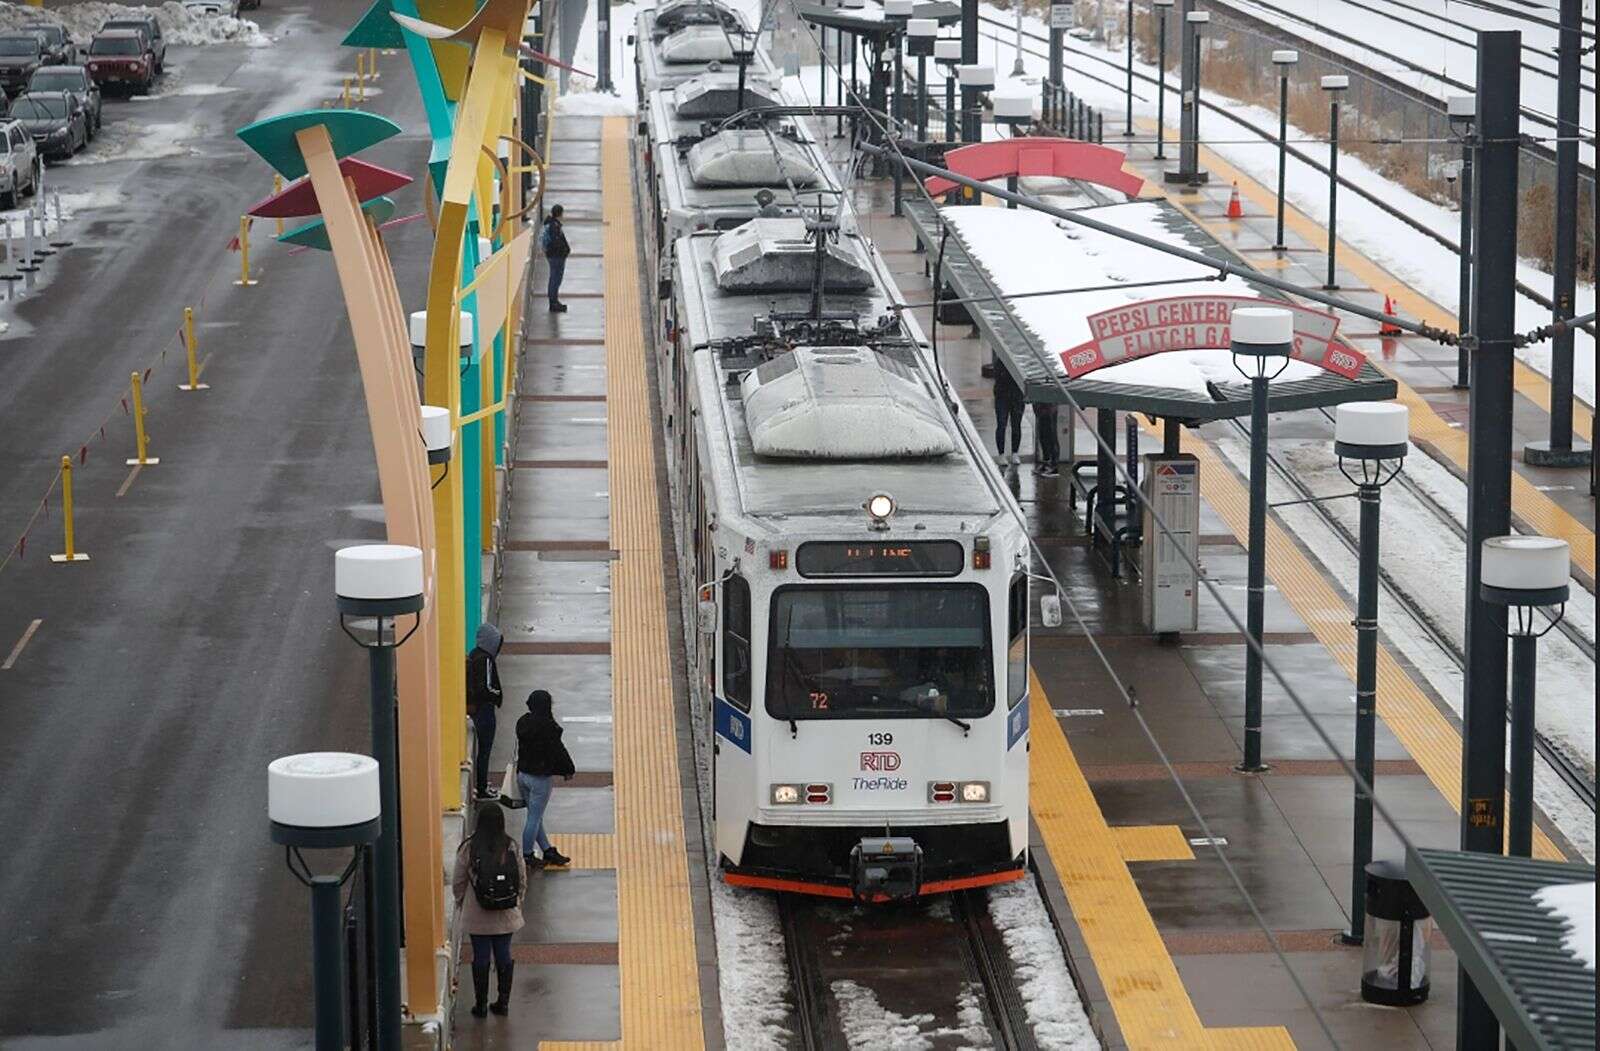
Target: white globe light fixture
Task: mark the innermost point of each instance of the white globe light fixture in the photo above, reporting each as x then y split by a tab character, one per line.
947	51
1013	109
436	434
1261	335
898	12
921	34
419	334
976	77
375	584
1371	434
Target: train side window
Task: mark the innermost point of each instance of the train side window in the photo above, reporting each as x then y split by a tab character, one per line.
1017	652
736	641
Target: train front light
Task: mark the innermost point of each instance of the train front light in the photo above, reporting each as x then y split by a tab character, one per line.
785	795
975	792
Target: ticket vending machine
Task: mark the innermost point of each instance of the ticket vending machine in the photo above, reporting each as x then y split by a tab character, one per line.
1170	584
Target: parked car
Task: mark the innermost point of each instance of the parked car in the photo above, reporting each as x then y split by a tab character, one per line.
77	81
59	50
213	7
151	27
122	58
19	163
20	55
56	120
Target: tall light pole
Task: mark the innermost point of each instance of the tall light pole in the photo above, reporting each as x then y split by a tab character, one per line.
1285	61
920	35
324	801
376	585
947	55
1261	337
1335	86
1017	68
971	123
1014	111
1523	573
1462	111
975	80
896	14
1561	450
603	23
1188	172
1127	126
1060	21
1371	440
1161	9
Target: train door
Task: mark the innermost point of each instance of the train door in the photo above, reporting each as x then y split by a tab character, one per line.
1017	711
733	770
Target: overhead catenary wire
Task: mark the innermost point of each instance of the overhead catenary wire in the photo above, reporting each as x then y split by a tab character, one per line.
1006	501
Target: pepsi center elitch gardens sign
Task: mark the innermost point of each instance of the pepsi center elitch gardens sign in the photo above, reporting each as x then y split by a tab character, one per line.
1156	326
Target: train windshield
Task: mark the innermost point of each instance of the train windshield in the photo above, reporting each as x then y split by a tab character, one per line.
856	652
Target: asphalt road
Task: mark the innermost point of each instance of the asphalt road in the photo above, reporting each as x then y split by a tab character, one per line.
143	903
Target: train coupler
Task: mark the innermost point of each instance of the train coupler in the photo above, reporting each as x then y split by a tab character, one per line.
885	868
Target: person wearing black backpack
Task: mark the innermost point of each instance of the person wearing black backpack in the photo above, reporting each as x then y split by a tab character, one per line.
489	866
553	240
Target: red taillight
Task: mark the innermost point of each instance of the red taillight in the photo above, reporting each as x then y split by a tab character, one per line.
819	793
777	559
942	791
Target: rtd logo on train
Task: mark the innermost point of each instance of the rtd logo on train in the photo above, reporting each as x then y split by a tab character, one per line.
880	760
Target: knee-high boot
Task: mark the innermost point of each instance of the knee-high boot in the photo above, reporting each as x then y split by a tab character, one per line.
480	987
503	974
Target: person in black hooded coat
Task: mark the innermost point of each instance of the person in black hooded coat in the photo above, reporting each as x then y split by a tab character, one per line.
483	698
541	758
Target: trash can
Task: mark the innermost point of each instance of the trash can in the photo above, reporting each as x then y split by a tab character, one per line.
1394	964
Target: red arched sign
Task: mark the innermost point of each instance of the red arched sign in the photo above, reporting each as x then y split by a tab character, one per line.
1061	158
1201	323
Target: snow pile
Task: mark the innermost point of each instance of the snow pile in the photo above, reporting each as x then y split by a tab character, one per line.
867	1023
178	25
1574	904
1057	1016
752	972
580	99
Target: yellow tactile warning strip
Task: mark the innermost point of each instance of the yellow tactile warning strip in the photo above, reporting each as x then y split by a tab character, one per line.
1152	1007
1538	511
592	850
1152	843
655	925
1420	727
578	1045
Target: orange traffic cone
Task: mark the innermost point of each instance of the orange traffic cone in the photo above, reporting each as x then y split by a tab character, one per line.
1388	328
1235	208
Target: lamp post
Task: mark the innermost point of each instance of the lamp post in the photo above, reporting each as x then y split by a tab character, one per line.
1127	124
1523	573
1017	68
1335	87
897	14
947	53
920	34
1189	173
1014	111
324	801
1161	9
1284	60
1371	440
1462	111
1262	337
376	584
975	80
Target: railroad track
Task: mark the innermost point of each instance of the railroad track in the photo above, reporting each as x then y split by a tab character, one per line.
1569	769
940	965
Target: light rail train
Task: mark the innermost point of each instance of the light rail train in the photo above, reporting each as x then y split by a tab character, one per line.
859	627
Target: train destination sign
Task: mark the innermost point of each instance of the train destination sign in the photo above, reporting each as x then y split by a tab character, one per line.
915	558
1201	323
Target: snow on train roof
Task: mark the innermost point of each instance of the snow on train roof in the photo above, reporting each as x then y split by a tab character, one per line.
1027	252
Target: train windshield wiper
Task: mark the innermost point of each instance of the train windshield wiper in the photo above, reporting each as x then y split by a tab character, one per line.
927	698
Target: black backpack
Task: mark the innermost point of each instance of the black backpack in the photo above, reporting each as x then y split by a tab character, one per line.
496	882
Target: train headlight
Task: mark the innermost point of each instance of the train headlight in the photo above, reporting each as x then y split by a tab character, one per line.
975	791
880	508
784	795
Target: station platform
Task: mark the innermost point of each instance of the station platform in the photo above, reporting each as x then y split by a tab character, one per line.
1172	953
617	949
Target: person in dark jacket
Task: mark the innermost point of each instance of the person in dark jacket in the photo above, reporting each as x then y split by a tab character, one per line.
489	849
541	757
1008	406
553	239
483	697
1046	426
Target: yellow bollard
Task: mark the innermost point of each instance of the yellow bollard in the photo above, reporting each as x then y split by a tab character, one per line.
372	64
244	253
191	349
138	425
72	553
344	98
361	76
277	188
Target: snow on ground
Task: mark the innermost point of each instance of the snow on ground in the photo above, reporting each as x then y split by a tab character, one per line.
1051	998
752	970
1574	904
581	99
1414	544
1028	252
126	140
179	25
1413	257
868	1025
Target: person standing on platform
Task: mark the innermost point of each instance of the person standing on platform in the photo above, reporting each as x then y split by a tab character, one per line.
489	882
483	698
1046	428
1008	406
553	240
541	758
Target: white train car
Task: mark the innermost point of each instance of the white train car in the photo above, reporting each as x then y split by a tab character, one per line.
674	42
861	631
